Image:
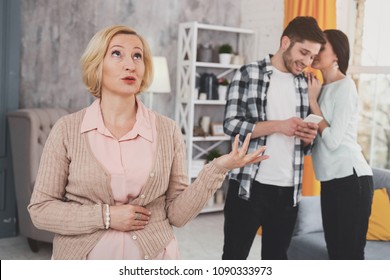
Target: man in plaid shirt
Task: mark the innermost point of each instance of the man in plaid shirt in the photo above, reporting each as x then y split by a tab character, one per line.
269	99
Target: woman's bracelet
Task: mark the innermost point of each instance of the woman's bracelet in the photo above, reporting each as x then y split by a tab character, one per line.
107	217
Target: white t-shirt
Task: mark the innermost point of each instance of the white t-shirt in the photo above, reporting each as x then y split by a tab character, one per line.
281	101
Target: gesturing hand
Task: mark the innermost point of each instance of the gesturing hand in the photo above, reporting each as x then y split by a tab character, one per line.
238	157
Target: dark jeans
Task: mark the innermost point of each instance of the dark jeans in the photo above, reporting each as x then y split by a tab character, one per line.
346	208
270	207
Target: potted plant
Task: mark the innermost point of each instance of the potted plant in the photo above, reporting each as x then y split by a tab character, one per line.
223	84
225	54
213	154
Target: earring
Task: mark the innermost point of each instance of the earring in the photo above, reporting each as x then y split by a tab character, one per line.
336	65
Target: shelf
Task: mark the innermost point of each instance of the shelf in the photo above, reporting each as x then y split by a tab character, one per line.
209	102
224	28
217	65
188	107
212	65
210	138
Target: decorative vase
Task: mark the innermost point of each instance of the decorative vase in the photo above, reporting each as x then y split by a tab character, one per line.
225	58
205	53
205	124
222	90
238	60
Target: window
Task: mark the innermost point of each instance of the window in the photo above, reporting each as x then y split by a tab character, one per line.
371	72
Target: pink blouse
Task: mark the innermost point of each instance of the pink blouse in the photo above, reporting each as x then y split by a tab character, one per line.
129	161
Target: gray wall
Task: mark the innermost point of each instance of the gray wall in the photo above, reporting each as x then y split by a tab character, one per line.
55	33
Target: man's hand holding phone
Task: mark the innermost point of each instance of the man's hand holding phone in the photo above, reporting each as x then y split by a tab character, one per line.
313	119
307	132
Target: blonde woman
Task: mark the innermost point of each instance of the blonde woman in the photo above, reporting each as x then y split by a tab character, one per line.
112	182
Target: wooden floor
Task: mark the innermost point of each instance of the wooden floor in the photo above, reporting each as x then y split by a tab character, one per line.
201	239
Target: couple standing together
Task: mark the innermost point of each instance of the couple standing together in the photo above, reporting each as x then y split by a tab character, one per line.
112	182
270	99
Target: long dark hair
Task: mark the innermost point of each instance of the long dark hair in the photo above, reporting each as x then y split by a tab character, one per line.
340	45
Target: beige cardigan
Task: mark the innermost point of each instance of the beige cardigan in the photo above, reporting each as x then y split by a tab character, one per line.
72	186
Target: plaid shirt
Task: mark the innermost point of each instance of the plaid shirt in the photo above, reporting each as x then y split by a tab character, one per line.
246	105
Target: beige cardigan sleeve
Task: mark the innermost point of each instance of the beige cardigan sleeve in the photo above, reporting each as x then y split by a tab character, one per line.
184	201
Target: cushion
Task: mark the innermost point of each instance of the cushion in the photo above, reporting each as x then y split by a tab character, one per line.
379	222
309	215
309	246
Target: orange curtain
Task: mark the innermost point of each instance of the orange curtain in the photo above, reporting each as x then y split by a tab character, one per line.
324	11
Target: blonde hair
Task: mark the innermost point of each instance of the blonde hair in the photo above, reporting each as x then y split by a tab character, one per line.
92	58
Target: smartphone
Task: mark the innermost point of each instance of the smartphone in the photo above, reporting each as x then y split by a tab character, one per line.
313	118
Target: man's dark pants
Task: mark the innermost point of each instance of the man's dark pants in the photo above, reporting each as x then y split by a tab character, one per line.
270	207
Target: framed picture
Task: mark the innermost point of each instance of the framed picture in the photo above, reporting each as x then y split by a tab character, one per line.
217	129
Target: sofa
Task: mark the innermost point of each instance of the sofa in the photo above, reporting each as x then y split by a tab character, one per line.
308	242
29	129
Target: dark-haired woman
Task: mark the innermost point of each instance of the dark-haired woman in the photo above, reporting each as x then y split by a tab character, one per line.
346	178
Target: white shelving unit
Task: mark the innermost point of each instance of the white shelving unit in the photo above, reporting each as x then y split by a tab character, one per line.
188	107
